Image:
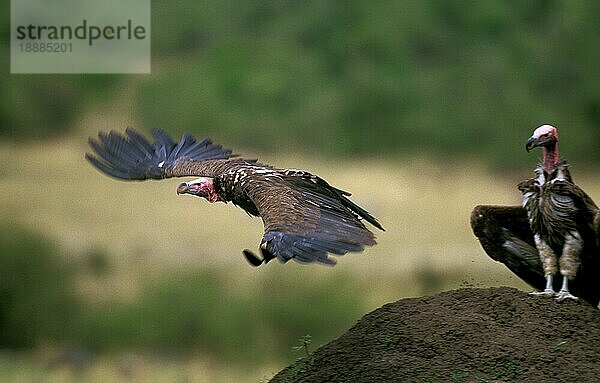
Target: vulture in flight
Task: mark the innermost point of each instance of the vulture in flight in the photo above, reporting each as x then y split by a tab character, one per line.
304	217
556	230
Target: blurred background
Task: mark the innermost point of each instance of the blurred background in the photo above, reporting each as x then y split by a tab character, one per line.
419	108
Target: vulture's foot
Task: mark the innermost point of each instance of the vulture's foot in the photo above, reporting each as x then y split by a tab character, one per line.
565	294
544	293
254	260
549	290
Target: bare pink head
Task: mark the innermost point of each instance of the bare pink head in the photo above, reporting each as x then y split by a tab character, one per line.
546	131
546	137
201	187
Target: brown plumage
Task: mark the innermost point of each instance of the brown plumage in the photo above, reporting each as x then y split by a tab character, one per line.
304	217
555	231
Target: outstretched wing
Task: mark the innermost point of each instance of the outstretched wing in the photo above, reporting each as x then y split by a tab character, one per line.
305	218
130	156
506	237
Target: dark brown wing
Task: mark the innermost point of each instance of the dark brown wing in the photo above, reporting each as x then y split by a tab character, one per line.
130	156
585	220
305	218
582	199
589	227
506	237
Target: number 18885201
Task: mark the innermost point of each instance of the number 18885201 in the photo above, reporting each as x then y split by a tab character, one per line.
46	47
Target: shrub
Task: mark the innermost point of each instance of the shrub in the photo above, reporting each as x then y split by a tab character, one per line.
36	298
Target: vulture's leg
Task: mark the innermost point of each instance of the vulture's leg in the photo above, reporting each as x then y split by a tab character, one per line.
549	290
569	263
252	258
549	264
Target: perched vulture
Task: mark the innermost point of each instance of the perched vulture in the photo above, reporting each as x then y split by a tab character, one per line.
557	229
304	217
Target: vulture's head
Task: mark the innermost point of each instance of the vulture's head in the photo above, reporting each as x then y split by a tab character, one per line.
201	187
545	136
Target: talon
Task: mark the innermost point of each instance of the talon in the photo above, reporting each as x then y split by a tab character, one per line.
562	295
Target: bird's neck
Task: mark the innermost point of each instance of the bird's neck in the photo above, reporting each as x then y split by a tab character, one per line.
550	157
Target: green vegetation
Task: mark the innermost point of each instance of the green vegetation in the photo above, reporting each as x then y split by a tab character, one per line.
180	313
199	312
304	363
36	292
304	343
347	78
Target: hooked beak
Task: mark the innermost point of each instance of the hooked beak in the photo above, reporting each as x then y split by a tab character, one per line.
531	143
182	188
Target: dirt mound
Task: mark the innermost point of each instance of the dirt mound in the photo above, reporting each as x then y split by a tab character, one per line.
466	335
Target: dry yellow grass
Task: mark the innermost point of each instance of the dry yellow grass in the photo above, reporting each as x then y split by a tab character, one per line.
424	207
